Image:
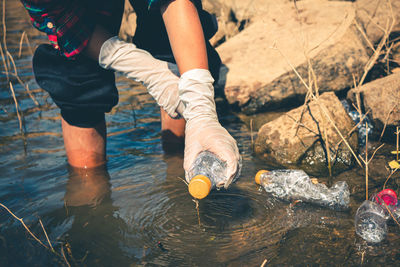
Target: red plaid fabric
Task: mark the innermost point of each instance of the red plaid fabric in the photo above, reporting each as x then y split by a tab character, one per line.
69	23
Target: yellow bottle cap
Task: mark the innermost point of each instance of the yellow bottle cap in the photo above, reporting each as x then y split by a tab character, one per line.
257	178
200	186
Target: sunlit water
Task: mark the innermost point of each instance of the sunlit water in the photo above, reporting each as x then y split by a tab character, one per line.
138	211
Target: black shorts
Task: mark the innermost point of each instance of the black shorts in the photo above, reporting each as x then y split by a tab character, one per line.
83	90
79	87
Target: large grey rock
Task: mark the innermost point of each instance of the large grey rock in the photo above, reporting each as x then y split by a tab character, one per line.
381	98
286	142
258	77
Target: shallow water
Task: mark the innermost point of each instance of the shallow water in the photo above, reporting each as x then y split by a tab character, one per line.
138	210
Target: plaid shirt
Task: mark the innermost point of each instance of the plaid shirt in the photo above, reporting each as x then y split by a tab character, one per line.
70	23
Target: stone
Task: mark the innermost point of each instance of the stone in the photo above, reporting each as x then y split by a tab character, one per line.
374	16
258	62
128	23
295	138
381	98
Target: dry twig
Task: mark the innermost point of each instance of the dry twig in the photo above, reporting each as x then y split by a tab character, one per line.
24	36
264	263
4	61
322	107
24	225
65	258
17	109
366	162
45	233
5	32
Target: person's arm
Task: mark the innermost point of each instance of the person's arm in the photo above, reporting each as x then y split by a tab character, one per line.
203	131
185	35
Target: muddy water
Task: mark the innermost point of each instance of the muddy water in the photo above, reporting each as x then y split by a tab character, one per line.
137	211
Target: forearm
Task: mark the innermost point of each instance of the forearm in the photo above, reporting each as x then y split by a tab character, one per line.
185	34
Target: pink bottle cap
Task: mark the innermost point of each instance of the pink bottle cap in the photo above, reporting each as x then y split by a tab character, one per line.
388	196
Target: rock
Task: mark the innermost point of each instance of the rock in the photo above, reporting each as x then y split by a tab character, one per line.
128	23
381	98
231	16
258	77
375	15
242	9
288	143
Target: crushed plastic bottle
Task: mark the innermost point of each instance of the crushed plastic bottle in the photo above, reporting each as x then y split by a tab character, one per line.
296	185
206	173
372	216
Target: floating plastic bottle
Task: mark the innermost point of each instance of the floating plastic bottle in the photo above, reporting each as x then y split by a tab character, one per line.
296	185
207	172
372	216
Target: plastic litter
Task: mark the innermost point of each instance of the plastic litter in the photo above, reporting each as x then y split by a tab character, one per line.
296	185
364	128
207	172
370	222
372	216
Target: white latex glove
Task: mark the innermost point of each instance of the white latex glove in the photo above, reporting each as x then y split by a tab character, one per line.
203	131
160	77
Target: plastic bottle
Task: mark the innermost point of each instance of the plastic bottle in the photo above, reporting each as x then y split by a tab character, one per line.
207	172
387	198
370	222
297	185
372	216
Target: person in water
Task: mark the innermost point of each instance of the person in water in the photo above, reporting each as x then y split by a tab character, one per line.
77	70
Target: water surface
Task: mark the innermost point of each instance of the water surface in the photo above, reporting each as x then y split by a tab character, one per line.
137	210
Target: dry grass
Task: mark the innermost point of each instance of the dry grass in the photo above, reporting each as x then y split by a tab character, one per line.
9	64
366	162
49	246
26	227
322	107
251	134
17	109
397	133
264	263
24	36
313	91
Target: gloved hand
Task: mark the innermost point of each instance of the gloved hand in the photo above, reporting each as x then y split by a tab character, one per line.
203	131
158	76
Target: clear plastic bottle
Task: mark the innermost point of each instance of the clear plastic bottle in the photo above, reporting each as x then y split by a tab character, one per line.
396	212
372	216
370	221
297	185
206	173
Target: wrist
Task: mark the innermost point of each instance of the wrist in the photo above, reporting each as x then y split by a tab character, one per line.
196	92
106	51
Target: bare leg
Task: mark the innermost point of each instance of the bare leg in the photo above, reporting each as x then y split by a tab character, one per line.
87	186
172	132
85	147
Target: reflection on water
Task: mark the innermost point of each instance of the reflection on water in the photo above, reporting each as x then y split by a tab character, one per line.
136	210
